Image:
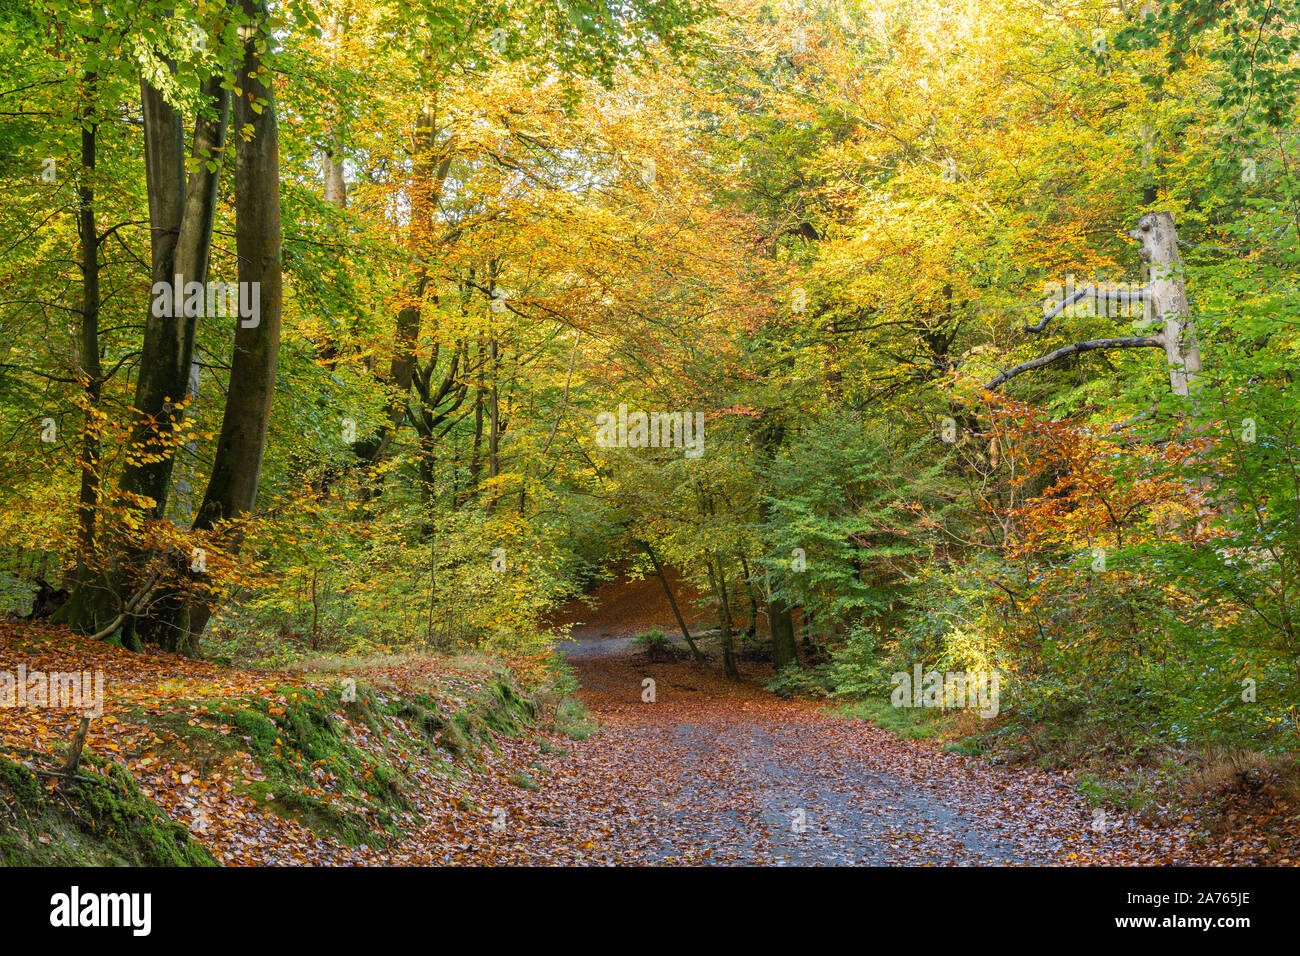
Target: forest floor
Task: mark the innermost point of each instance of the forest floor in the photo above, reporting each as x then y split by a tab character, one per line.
713	771
721	771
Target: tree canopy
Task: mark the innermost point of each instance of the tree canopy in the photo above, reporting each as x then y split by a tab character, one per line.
953	332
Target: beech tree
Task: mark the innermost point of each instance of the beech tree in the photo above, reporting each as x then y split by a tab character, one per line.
182	210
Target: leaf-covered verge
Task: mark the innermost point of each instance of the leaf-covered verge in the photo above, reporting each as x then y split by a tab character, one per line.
382	759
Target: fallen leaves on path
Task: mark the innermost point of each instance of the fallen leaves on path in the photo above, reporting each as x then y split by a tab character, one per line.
719	772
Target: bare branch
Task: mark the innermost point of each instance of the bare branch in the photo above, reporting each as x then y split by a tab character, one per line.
1107	295
1091	345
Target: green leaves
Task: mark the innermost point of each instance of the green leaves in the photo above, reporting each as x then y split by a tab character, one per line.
1251	42
865	504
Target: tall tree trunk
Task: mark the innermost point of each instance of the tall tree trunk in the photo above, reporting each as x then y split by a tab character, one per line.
411	314
752	628
169	338
672	601
194	248
435	406
1168	299
336	189
89	372
781	618
494	417
769	434
181	219
236	470
429	172
718	580
480	397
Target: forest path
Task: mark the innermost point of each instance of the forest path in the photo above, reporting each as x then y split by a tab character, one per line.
718	771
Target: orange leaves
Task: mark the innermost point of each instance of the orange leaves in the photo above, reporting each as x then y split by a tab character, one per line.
1089	487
